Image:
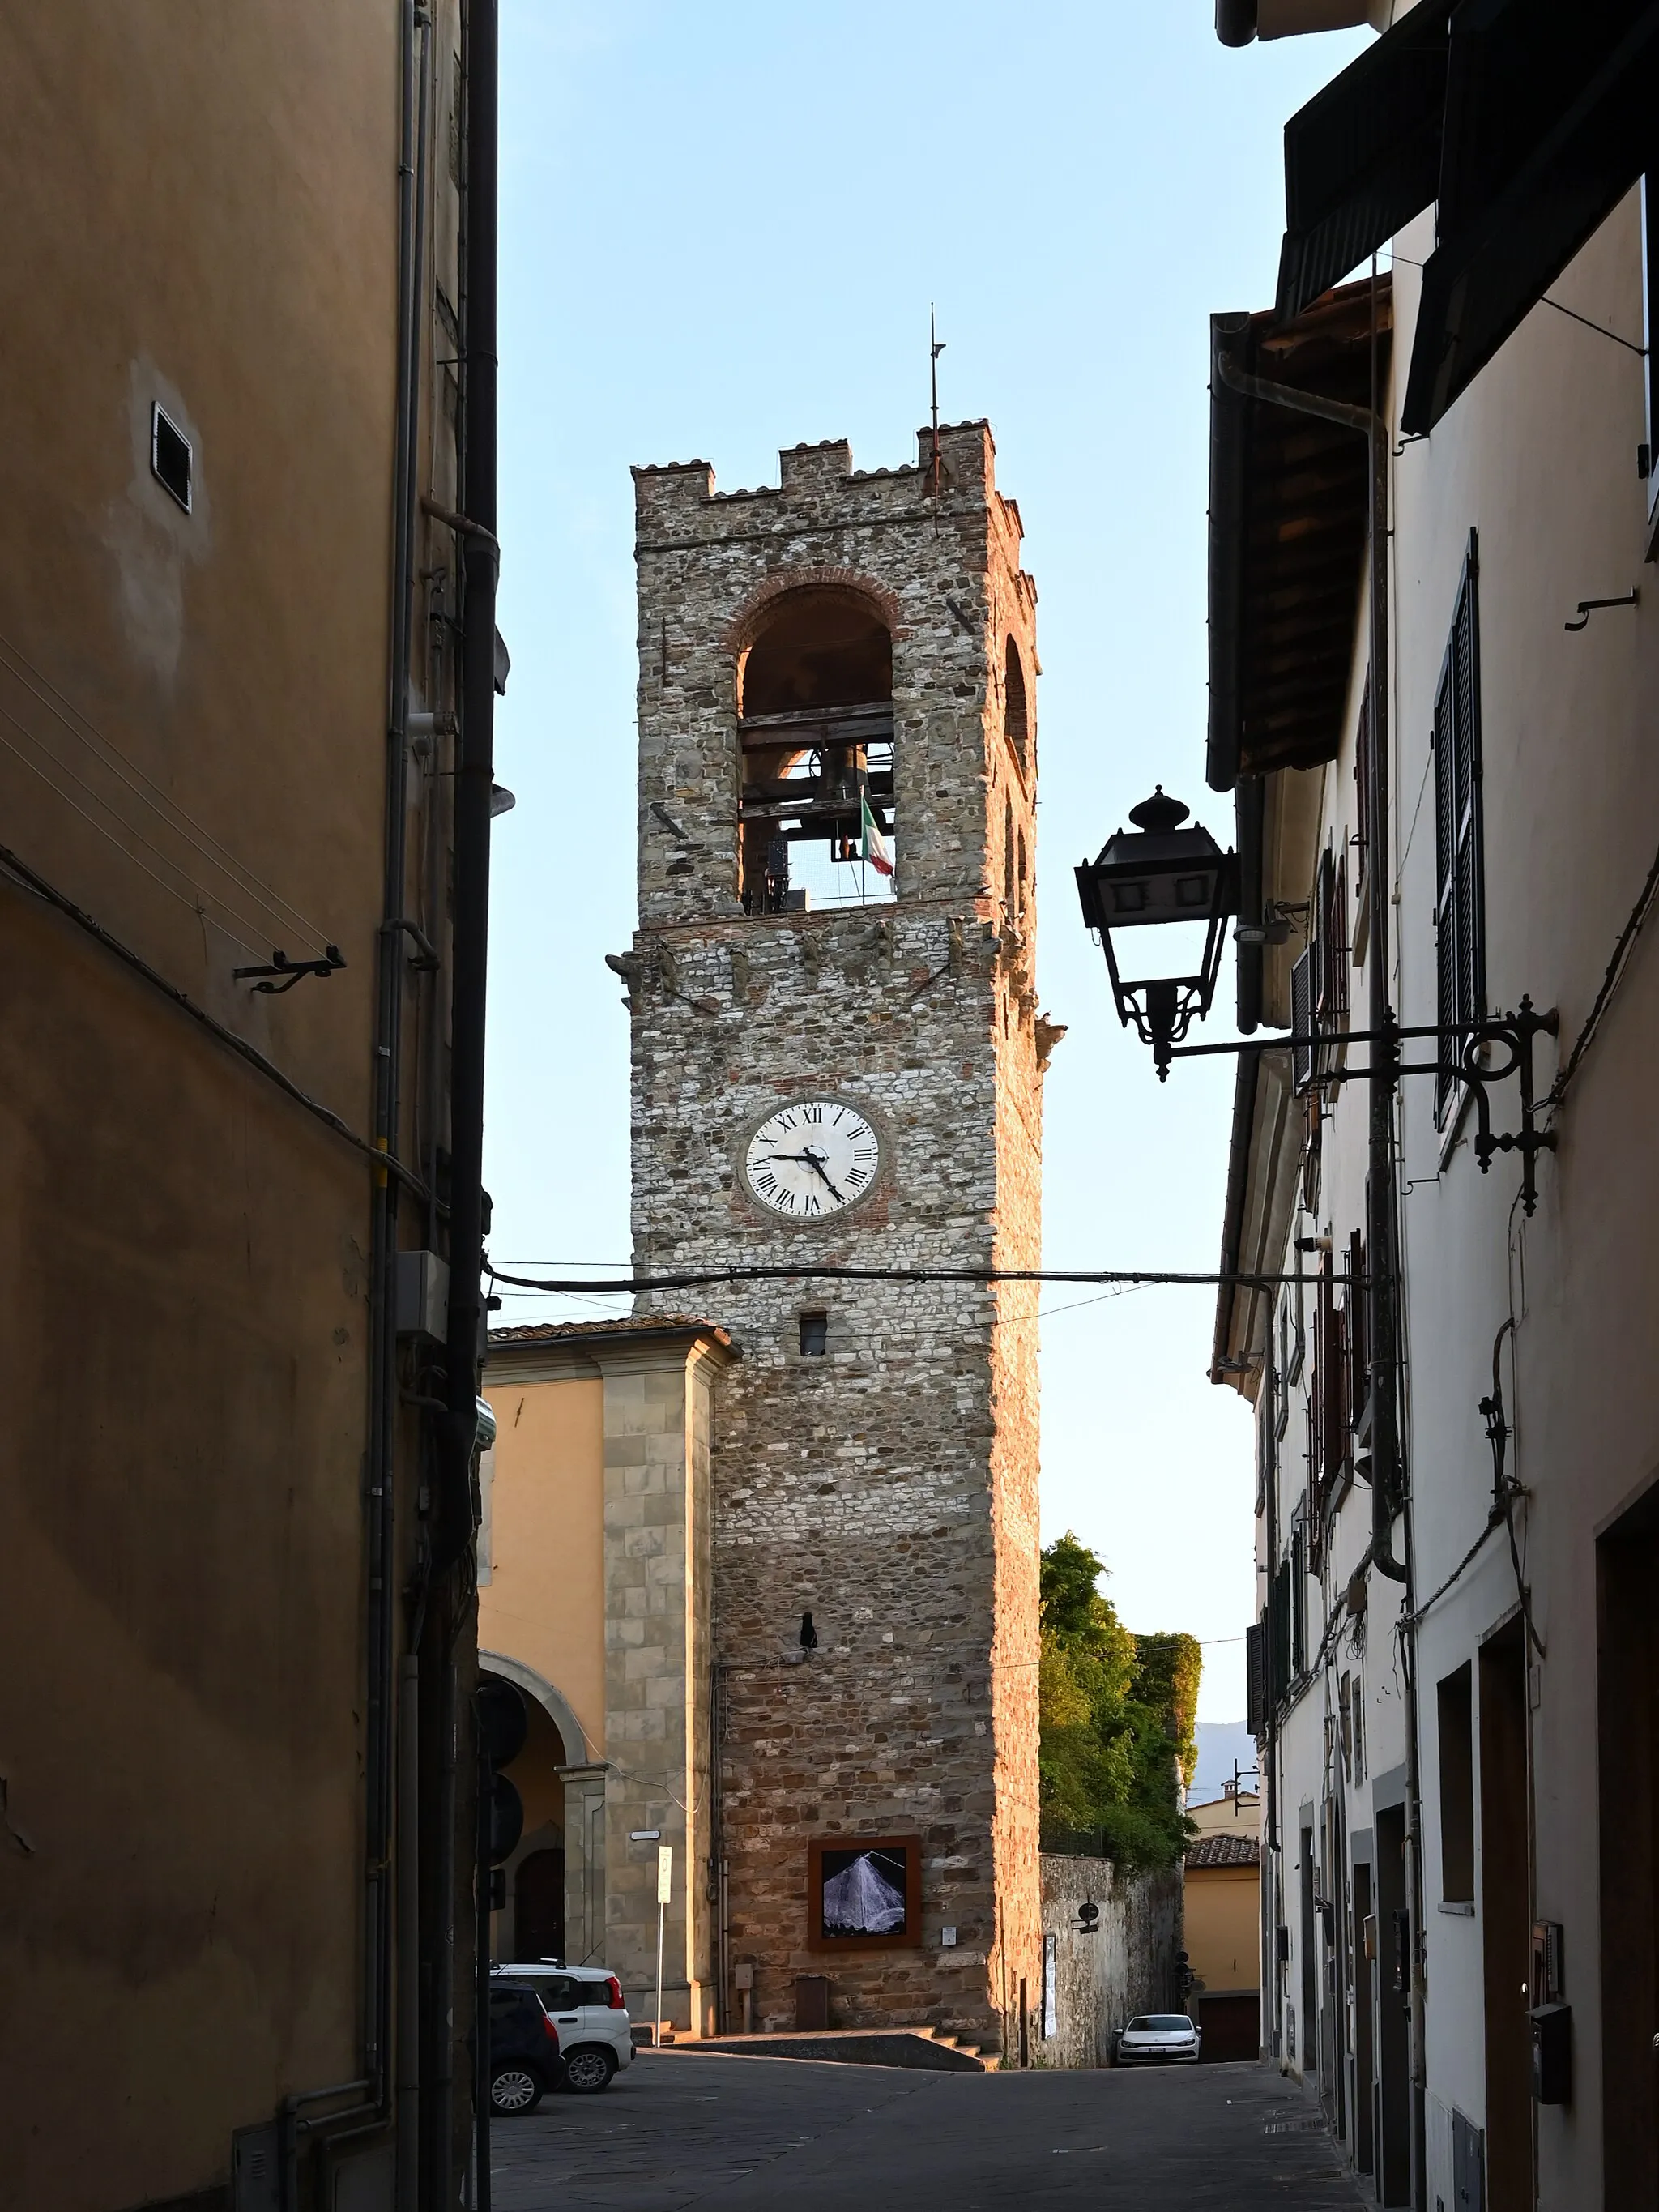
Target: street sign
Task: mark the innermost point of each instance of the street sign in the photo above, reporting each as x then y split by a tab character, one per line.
665	1872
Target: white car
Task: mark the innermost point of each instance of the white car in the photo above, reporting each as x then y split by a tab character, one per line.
1156	2038
596	2036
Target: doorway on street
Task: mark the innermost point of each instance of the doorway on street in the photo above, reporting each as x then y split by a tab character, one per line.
539	1906
1310	2051
1394	2122
1505	1917
1627	1680
1364	1978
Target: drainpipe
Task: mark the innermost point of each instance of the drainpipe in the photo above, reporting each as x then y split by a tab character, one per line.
474	776
453	1518
392	1764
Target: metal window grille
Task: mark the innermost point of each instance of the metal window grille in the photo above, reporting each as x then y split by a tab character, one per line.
1302	1015
1459	898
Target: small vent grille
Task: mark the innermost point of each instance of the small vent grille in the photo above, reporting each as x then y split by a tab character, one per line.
170	456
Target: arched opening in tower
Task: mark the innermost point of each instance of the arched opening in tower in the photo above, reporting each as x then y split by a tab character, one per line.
1016	712
815	726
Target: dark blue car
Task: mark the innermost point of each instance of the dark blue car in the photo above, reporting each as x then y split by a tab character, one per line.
524	2050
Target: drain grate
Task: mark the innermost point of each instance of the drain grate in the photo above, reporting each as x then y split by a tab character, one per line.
1293	2127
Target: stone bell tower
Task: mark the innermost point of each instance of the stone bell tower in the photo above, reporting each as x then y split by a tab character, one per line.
837	1062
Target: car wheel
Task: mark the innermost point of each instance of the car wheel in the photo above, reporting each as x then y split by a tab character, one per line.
514	2090
589	2069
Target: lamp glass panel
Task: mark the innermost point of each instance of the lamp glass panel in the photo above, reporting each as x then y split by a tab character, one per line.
1175	948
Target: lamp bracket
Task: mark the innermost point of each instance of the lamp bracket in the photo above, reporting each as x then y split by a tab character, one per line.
292	971
1476	1055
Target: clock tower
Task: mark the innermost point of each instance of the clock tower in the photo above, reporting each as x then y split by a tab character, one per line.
837	1065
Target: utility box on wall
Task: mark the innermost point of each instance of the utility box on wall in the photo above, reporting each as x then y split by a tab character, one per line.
1552	2053
1468	2165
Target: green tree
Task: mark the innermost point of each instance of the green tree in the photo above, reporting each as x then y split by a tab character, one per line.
1116	1712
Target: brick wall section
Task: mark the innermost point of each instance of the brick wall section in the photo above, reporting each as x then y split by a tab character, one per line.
890	1487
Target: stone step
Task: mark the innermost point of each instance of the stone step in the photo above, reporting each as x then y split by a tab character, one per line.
921	2047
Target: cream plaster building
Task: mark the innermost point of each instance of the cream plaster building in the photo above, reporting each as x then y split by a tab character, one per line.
1455	1676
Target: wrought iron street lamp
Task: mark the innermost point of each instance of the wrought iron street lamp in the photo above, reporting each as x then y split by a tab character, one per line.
1160	872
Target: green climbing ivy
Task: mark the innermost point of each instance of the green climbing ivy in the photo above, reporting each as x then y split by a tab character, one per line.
1117	1712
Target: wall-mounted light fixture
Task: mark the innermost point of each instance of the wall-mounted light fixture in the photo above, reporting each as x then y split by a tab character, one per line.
1161	873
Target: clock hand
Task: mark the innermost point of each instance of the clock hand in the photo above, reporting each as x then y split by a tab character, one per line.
815	1161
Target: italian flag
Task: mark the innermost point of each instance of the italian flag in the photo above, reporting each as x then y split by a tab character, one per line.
875	845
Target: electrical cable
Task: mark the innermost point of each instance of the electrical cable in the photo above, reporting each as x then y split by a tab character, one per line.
192	832
1610	981
384	1162
172	890
252	943
809	1271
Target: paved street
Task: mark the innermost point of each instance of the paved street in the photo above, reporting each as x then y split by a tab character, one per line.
682	2130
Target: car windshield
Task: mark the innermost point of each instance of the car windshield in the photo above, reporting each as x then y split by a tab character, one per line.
1160	2023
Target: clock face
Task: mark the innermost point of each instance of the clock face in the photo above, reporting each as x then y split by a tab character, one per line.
812	1158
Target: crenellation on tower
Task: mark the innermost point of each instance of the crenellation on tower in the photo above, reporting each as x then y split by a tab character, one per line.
839	674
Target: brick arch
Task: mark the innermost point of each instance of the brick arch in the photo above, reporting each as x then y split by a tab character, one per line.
741	630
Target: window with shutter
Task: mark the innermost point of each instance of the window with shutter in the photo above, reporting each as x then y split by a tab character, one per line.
1302	1015
1298	1598
1278	1623
1257	1706
1459	898
1362	774
1329	1437
1331	945
1358	1345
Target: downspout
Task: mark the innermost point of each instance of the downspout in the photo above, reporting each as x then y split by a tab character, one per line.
394	929
1271	1866
454	1517
474	776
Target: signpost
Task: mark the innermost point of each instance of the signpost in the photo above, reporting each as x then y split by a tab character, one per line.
664	1891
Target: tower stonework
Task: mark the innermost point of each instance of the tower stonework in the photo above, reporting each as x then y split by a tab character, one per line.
846	665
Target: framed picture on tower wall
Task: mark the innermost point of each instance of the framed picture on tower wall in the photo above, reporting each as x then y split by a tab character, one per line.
863	1893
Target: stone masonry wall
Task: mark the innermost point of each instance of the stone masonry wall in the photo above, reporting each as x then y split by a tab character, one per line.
1128	1965
889	1488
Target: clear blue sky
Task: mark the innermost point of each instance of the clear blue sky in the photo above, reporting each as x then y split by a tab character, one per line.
722	225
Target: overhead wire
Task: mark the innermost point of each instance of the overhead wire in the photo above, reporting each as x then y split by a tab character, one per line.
145	788
249	942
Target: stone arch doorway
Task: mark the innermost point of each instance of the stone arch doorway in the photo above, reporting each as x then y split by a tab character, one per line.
539	1903
531	1923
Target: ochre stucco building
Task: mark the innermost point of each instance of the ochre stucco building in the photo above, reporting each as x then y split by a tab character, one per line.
239	314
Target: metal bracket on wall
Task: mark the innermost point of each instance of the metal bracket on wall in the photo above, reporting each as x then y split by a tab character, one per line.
1588	607
1484	1053
293	971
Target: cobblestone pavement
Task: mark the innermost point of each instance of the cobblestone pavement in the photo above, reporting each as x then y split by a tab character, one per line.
680	2129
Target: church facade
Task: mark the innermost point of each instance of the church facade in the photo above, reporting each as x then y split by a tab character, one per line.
836	1064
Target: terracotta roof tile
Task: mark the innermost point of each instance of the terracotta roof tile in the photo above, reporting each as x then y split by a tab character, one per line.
554	1332
1225	1850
